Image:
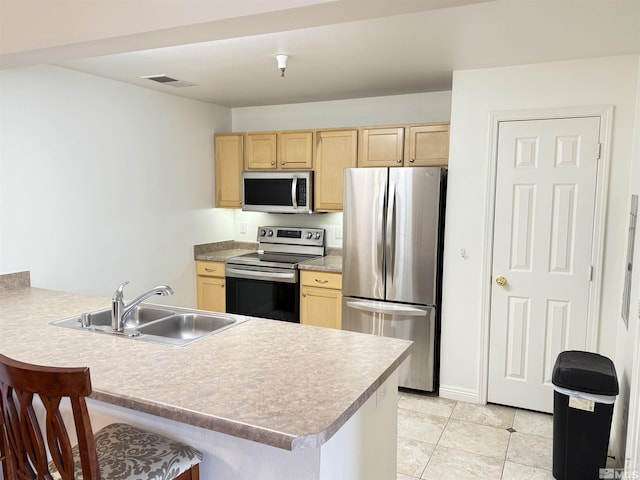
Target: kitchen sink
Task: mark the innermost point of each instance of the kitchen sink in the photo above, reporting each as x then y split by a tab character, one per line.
156	324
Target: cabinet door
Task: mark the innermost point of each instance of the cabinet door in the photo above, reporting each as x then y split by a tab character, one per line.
295	150
381	147
428	145
211	293
335	151
260	151
321	307
228	167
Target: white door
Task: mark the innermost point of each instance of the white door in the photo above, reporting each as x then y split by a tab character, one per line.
543	229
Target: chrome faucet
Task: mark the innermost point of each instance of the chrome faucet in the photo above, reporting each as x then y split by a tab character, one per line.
119	310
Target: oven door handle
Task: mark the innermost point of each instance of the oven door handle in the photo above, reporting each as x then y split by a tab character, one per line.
287	277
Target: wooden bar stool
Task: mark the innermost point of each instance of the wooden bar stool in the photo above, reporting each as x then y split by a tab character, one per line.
116	452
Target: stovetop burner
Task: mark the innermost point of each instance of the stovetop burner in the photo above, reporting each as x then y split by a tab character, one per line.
281	260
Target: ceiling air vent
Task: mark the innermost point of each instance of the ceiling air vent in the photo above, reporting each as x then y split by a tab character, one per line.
172	82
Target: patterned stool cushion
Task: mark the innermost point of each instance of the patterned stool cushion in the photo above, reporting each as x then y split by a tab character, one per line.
129	453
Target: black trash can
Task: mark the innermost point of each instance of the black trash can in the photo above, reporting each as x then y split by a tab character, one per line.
585	389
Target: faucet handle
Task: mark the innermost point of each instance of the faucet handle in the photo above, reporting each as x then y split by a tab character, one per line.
119	293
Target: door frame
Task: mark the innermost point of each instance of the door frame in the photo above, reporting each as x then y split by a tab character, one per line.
605	113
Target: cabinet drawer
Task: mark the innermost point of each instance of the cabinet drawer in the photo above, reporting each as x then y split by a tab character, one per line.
210	269
321	279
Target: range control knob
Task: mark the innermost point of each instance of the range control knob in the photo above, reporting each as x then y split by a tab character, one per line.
270	233
317	236
308	235
263	232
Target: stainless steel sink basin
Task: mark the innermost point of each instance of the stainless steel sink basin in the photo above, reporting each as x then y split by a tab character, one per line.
151	323
140	315
187	326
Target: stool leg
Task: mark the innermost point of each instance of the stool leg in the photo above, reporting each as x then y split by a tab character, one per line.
192	474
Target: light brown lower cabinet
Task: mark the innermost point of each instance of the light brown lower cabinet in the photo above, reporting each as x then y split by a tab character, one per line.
210	286
321	298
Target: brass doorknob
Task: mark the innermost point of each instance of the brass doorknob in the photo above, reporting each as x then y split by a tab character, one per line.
502	281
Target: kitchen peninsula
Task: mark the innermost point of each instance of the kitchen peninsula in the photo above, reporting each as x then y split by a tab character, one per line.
264	399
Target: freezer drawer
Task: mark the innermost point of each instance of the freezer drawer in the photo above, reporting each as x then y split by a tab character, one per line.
408	322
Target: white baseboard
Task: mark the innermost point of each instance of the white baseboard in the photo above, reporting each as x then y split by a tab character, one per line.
460	394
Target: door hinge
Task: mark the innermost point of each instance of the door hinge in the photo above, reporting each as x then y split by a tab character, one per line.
591	273
598	151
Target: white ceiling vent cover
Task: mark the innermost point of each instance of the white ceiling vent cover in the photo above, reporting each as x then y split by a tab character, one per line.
172	82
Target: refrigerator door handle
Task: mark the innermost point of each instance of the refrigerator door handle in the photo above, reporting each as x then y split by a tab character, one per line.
391	233
378	307
380	234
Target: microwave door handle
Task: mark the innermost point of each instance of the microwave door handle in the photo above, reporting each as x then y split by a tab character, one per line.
294	190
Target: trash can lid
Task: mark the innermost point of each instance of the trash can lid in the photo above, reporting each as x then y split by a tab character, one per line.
585	372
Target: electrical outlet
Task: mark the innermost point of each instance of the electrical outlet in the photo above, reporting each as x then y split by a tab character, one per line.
338	232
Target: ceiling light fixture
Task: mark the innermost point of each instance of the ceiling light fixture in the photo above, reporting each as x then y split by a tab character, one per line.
281	58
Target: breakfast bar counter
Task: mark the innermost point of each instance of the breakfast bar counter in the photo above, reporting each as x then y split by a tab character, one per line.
262	399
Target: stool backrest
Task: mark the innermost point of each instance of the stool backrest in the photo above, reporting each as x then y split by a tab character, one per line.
21	433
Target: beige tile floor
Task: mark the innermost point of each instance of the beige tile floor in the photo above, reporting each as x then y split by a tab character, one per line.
440	438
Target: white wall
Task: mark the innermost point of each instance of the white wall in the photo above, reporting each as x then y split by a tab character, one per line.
627	410
397	109
476	93
410	108
102	182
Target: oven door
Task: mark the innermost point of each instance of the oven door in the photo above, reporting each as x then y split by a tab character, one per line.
263	292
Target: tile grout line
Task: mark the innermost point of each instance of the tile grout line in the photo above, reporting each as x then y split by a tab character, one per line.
438	442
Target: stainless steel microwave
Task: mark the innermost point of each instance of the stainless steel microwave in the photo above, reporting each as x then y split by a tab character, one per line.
277	192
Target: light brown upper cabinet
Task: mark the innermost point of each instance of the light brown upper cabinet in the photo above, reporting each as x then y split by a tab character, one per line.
410	146
295	150
260	151
279	150
427	145
381	147
229	155
335	151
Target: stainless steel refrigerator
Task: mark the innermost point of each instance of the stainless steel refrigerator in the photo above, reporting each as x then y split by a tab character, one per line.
392	261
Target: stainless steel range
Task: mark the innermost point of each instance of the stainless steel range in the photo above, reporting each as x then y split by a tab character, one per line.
265	283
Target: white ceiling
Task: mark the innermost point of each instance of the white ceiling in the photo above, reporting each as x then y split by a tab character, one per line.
373	53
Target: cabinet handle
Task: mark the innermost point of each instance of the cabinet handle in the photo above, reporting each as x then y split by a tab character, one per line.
412	160
304	295
273	163
281	163
222	285
399	161
319	280
209	269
